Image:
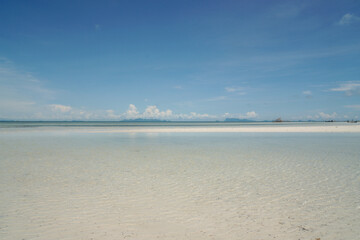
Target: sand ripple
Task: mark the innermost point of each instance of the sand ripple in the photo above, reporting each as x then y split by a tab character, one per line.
179	187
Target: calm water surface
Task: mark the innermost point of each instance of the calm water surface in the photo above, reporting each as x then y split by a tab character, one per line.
66	185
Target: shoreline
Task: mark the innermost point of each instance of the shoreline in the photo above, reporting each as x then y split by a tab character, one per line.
219	183
197	129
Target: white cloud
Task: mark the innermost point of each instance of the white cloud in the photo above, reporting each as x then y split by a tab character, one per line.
238	90
132	112
349	88
178	87
151	112
111	114
63	112
24	97
194	116
60	108
324	116
154	112
31	111
348	19
327	116
250	115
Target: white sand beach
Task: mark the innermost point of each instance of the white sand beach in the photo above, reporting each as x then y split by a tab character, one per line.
179	120
180	183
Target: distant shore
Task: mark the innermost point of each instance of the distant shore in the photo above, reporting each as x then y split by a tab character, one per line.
249	128
264	129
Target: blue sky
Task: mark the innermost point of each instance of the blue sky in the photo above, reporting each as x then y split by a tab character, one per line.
179	60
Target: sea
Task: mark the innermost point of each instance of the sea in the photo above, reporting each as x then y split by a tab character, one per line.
61	180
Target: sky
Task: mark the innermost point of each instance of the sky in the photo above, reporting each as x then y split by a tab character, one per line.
179	60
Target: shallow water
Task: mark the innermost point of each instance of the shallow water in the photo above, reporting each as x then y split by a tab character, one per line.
162	124
71	185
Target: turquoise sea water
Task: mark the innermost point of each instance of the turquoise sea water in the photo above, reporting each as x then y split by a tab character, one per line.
77	185
30	124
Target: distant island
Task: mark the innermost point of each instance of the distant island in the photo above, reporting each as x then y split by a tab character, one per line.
278	120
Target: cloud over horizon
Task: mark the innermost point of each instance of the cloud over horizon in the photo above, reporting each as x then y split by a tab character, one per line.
248	115
59	107
153	112
324	116
270	59
68	113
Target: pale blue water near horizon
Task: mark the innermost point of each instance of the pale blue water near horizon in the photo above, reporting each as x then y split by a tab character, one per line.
30	124
107	185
